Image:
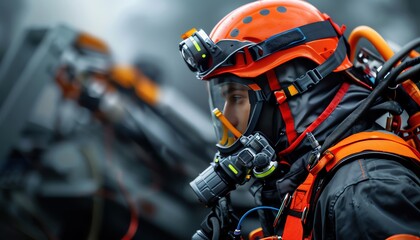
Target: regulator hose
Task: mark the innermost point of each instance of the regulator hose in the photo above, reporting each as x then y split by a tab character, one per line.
386	77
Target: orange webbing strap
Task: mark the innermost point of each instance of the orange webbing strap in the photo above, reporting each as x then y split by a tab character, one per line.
365	141
359	142
257	234
293	228
284	108
403	237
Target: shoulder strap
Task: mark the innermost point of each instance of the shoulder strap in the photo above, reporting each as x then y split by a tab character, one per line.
357	143
293	229
365	141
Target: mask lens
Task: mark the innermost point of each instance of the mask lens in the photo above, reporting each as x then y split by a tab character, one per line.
232	99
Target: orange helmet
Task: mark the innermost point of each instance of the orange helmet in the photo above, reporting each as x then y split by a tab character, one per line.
264	34
241	56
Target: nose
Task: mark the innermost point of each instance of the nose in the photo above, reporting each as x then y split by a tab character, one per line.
230	113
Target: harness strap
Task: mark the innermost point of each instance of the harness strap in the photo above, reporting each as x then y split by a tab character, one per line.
321	118
284	108
365	141
359	142
305	82
293	228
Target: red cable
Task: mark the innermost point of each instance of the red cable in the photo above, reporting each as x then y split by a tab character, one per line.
134	223
133	227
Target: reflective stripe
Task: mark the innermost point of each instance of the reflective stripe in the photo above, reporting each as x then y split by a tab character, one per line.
195	44
233	169
264	174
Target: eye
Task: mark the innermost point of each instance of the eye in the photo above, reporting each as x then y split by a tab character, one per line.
236	98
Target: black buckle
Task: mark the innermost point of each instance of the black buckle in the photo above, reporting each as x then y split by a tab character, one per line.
308	80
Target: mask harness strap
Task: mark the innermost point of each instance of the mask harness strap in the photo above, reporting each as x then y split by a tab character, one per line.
312	77
283	108
301	85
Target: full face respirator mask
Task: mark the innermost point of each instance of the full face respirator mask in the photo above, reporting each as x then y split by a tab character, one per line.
256	157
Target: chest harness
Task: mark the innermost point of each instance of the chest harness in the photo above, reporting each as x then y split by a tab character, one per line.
298	208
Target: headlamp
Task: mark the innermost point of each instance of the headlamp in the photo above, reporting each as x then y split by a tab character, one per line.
202	55
193	51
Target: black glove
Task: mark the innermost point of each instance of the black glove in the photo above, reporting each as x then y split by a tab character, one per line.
219	223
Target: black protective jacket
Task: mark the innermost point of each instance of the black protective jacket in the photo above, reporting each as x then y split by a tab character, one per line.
369	198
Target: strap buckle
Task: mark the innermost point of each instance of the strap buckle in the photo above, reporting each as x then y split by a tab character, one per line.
308	80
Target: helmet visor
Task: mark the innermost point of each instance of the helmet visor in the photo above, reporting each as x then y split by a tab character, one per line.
230	103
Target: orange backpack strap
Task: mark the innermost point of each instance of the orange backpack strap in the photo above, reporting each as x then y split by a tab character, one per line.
293	228
365	141
403	237
356	143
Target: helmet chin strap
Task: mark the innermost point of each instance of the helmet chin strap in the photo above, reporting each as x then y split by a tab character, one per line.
312	77
301	85
324	115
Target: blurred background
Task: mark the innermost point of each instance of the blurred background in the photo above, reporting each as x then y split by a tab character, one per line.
103	126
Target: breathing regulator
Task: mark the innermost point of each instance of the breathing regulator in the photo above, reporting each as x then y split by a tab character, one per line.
256	157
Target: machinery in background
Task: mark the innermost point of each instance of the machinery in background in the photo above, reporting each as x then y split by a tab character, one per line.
93	150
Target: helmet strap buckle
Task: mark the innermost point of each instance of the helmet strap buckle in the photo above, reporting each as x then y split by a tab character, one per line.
308	80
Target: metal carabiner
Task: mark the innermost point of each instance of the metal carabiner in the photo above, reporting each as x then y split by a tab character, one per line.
284	204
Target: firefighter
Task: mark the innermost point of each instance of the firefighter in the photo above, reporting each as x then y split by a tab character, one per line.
280	82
